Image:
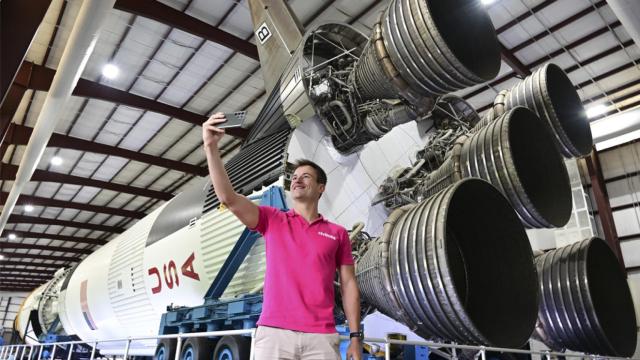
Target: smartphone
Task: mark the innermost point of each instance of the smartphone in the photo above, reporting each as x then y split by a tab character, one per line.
234	119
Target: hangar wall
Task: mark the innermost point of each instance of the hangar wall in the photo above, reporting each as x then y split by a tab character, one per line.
621	169
9	305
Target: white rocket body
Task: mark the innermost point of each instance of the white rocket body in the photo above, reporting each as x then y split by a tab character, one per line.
122	289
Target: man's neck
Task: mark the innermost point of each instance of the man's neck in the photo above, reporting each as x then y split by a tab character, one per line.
309	211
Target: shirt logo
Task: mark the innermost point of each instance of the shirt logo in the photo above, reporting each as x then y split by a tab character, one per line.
322	233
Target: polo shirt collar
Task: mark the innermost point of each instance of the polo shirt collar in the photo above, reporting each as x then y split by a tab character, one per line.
293	213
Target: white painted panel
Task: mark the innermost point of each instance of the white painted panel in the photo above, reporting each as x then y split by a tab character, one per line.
631	252
627	221
353	179
111	316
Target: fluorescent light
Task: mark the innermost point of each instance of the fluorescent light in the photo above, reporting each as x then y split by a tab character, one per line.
596	110
12	236
1	257
56	161
28	208
110	71
488	2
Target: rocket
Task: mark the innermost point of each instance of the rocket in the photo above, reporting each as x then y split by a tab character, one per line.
449	257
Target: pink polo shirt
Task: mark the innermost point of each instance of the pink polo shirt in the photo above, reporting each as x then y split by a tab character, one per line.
302	259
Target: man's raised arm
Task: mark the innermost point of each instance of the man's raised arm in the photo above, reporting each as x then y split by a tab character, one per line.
244	209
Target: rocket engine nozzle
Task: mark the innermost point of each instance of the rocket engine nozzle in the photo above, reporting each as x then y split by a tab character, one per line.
435	268
585	303
550	94
419	50
516	153
416	53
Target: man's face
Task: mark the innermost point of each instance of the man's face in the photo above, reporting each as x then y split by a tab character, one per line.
304	184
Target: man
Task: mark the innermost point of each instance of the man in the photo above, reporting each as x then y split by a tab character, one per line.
303	252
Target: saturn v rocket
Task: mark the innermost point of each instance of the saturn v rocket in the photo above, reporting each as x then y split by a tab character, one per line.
444	195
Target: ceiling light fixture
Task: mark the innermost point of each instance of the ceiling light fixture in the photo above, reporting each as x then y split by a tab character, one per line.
488	2
596	110
12	236
1	257
28	208
110	71
56	161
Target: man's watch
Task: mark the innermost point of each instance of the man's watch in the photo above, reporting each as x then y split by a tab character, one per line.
356	334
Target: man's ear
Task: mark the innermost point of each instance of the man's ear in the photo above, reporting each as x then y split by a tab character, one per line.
322	187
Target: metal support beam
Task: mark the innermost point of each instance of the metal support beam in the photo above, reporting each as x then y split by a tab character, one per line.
633	268
16	288
26	282
23	219
8	172
82	39
26	279
619	208
543	59
19	22
28	263
20	284
23	284
544	33
626	176
622	87
611	72
5	282
46	274
40	257
524	16
604	207
9	108
11	102
13	245
19	135
629	237
620	108
169	16
513	62
41	201
6	312
40	78
9	282
34	235
23	278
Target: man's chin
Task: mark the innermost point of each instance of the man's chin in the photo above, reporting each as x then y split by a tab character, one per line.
299	196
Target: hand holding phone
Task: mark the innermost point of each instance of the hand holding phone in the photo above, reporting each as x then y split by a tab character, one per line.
234	120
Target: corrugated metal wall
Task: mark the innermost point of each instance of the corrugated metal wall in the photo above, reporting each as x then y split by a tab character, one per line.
621	168
621	171
9	305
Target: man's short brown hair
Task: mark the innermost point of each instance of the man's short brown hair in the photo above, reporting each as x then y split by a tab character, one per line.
320	174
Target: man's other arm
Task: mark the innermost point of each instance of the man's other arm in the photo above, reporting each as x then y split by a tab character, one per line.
351	306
